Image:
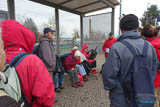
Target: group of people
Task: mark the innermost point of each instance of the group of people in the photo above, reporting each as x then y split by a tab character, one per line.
40	74
131	71
78	65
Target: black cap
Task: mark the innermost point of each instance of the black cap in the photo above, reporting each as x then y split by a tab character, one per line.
129	22
46	30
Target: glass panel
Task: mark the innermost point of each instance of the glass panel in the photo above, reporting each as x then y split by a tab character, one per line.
96	29
3	5
69	31
35	16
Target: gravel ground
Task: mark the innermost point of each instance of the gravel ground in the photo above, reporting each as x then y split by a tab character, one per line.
91	95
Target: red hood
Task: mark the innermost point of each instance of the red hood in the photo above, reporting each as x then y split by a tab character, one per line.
154	41
83	47
72	52
17	37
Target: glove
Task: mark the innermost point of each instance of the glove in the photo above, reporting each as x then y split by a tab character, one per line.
107	50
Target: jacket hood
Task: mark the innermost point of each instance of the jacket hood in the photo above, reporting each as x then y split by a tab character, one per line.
16	37
155	41
84	46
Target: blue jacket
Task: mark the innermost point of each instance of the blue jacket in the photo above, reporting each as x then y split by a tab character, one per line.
119	60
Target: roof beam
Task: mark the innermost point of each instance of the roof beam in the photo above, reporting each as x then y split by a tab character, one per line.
57	6
86	5
108	3
67	1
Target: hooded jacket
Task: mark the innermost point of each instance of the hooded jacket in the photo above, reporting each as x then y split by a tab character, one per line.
156	44
107	45
85	53
70	62
118	63
36	83
46	53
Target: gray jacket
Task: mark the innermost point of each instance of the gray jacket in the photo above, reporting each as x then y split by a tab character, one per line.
120	59
47	54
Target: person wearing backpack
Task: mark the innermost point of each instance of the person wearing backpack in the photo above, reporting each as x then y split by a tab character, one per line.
70	64
130	68
5	99
46	52
150	33
36	84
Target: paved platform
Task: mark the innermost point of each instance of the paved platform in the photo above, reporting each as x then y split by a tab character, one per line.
91	95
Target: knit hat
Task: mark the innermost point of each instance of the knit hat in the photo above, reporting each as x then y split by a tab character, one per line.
77	53
129	22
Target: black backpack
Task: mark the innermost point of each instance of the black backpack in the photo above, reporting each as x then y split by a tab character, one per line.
36	49
93	53
59	67
138	83
63	57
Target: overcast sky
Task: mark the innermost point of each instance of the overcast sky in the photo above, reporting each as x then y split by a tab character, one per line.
68	21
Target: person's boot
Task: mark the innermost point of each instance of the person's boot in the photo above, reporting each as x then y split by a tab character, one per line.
80	84
57	90
75	85
61	86
85	78
94	71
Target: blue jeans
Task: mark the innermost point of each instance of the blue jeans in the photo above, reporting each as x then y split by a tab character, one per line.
80	68
58	79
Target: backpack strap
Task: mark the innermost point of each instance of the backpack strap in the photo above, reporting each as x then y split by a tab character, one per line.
17	59
145	49
14	63
129	46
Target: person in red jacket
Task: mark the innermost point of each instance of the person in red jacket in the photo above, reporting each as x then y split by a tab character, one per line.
36	83
150	33
69	64
5	100
108	43
92	63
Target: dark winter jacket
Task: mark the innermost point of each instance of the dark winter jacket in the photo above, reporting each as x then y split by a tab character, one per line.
47	54
118	63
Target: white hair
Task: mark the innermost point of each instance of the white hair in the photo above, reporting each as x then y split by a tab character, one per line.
77	53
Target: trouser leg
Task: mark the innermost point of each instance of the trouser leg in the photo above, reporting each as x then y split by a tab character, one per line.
80	68
157	94
56	82
71	74
61	78
76	76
